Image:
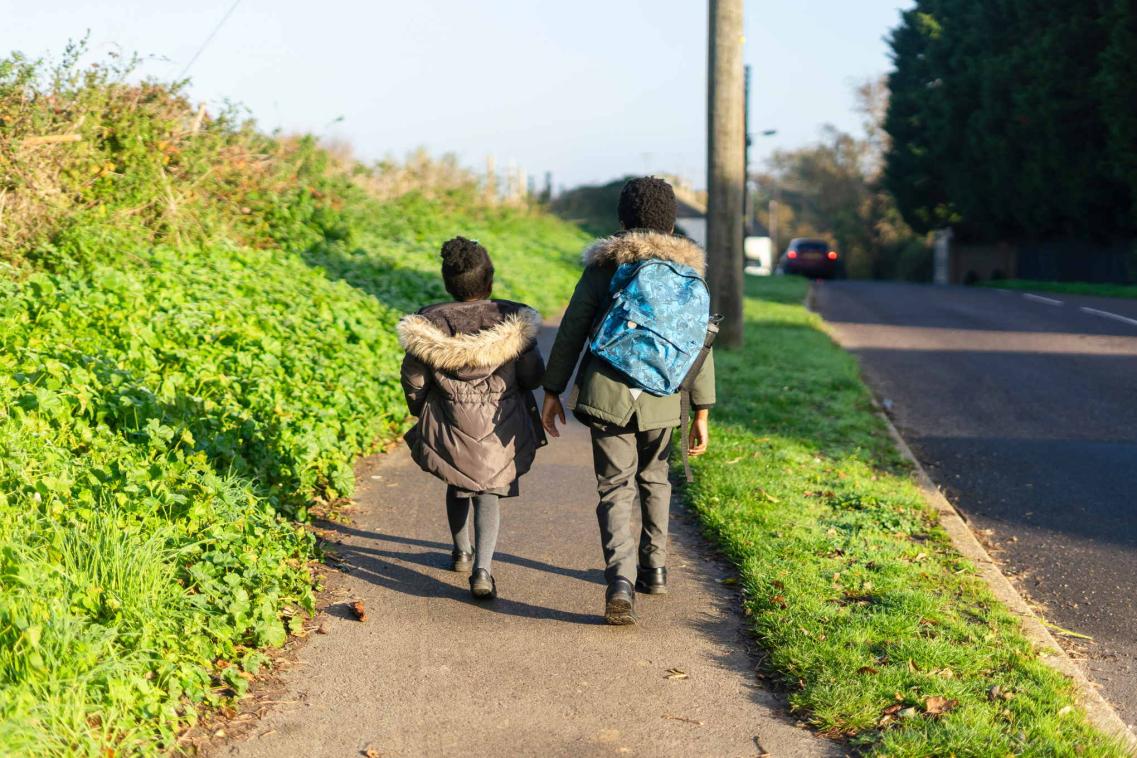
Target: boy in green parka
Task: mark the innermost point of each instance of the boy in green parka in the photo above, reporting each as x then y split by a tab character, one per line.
631	429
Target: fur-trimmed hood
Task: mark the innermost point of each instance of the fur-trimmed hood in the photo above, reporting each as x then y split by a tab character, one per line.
439	349
635	246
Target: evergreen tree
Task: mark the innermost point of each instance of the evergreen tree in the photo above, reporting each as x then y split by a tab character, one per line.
1015	119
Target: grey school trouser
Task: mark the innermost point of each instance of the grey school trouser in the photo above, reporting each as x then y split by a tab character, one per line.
628	464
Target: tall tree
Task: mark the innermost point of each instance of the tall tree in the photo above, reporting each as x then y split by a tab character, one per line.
1117	88
1012	119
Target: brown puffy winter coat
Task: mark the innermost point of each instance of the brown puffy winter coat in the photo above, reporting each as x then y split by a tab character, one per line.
468	375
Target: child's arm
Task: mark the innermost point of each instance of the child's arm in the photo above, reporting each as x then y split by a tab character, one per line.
530	368
576	324
702	398
416	383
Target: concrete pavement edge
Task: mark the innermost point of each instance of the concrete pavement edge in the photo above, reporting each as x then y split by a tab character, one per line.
1100	711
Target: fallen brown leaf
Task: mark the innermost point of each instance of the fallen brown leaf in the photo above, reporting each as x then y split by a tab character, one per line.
372	752
674	673
937	705
779	601
359	611
891	710
867	670
998	693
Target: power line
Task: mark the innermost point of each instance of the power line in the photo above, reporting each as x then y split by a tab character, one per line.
209	39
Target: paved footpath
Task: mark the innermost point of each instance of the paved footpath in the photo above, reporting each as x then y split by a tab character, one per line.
431	672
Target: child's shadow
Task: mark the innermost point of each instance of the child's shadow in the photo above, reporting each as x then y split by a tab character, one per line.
383	567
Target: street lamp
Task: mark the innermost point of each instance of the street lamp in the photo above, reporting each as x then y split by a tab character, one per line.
772	209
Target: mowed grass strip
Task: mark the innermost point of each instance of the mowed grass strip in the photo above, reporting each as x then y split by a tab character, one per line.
879	630
1069	288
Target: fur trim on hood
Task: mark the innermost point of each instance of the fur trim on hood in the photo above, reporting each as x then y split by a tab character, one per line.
632	247
488	348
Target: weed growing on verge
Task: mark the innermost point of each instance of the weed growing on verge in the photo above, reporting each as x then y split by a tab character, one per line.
195	344
877	628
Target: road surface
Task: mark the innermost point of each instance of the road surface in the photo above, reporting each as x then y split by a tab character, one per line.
1023	408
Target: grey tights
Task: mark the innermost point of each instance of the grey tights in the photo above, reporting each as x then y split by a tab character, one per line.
487	520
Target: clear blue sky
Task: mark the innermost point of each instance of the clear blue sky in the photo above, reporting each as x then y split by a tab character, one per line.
588	89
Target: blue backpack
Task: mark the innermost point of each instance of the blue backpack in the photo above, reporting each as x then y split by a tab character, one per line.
656	327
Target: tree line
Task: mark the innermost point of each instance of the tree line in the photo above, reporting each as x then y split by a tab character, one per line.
1014	120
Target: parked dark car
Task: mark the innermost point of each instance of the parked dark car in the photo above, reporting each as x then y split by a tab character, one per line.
814	258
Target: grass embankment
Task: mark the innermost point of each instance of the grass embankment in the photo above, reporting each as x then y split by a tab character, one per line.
875	625
1069	288
195	344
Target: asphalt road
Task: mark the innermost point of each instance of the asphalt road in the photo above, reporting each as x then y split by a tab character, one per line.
1024	411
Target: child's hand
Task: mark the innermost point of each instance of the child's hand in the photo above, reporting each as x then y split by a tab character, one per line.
700	435
552	411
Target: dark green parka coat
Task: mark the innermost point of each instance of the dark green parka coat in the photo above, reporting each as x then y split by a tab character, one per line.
601	396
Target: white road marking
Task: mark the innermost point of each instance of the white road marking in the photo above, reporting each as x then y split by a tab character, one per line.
1114	316
1041	299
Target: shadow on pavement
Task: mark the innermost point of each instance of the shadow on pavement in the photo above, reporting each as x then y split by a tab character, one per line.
441	559
390	569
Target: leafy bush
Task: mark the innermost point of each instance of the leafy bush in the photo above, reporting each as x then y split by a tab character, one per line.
195	344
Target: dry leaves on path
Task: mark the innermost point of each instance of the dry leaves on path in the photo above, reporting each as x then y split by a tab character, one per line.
674	673
684	719
359	611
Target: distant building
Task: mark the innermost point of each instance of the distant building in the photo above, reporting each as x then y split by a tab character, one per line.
691	218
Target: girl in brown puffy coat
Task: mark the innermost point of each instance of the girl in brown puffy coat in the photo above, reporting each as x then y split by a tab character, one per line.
468	373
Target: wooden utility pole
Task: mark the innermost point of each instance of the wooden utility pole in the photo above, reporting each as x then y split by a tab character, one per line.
726	146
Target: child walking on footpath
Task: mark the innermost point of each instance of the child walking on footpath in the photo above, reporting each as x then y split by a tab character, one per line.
468	375
631	428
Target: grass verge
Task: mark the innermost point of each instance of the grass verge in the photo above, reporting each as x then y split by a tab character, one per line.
196	342
1069	288
878	629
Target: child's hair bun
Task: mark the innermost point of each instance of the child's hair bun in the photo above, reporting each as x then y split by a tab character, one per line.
461	254
467	270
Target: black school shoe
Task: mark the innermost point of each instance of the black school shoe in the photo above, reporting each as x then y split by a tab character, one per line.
620	603
482	585
460	561
651	581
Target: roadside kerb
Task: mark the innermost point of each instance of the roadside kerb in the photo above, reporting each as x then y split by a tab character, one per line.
1099	710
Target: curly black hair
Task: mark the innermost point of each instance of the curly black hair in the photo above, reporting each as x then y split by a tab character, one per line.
467	270
647	203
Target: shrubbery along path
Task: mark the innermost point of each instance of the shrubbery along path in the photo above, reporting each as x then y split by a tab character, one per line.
195	344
